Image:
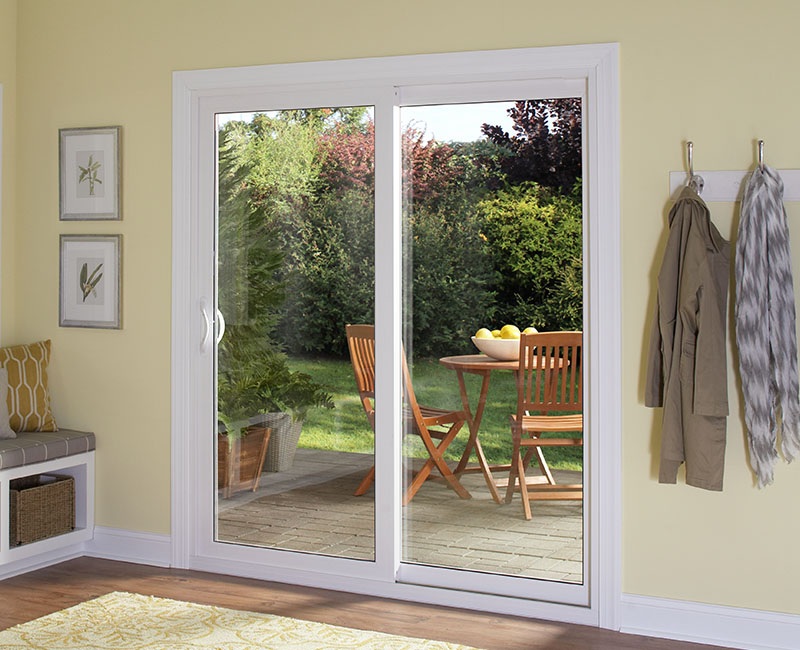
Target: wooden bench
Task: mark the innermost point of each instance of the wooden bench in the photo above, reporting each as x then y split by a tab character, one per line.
59	452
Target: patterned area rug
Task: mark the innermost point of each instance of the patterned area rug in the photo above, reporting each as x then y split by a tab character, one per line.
133	622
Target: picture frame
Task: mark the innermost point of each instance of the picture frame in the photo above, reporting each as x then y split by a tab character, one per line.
90	281
89	174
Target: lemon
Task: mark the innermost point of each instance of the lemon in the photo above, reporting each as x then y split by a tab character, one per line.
509	332
496	334
483	333
530	330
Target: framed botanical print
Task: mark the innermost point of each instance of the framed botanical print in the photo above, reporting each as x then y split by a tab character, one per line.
89	174
90	283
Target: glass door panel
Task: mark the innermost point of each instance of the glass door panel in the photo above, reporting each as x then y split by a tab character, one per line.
492	237
295	265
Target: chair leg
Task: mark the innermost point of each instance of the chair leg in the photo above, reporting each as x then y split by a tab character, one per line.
416	483
540	459
523	490
513	473
422	475
365	483
436	459
543	465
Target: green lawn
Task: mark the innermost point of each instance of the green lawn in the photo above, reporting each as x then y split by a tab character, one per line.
345	427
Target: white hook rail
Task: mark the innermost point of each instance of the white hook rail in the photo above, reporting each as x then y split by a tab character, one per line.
726	186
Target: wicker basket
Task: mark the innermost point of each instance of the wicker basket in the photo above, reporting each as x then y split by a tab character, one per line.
41	506
283	443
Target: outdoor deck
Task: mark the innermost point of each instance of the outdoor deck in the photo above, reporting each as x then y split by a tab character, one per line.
312	508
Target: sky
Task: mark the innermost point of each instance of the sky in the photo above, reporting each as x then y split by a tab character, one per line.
447	123
458	122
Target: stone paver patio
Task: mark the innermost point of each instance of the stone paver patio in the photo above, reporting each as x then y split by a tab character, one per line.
311	508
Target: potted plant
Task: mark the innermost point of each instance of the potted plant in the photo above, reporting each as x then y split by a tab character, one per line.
289	396
256	391
241	442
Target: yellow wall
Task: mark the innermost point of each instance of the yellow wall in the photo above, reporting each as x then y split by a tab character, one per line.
722	73
8	79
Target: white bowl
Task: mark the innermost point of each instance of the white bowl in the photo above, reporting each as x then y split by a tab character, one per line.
500	349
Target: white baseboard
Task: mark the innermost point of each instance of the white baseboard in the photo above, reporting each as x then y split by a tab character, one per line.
130	546
730	627
40	560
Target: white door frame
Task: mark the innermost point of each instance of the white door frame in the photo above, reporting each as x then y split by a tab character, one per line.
193	92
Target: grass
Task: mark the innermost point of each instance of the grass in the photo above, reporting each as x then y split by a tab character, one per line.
345	427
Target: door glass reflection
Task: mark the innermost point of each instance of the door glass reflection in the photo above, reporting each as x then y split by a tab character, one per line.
295	265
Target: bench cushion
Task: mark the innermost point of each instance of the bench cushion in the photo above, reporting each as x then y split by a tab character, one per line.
37	446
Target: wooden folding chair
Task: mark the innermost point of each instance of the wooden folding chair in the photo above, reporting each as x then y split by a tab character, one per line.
436	427
549	400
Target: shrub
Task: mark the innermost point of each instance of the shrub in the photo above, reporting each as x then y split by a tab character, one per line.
534	237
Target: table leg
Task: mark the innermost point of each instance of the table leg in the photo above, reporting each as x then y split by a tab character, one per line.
474	421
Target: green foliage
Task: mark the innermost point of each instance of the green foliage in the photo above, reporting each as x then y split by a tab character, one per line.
449	287
252	378
332	280
534	236
252	372
448	274
282	155
249	258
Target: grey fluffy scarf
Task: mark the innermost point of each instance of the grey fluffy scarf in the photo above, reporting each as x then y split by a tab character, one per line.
765	324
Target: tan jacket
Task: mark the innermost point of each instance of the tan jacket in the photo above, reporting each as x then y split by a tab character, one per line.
687	359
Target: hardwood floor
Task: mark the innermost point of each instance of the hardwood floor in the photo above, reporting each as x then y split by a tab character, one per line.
47	590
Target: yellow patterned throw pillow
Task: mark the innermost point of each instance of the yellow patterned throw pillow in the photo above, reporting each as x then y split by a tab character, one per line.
28	395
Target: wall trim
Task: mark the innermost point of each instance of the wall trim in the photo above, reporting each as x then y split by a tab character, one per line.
730	627
41	560
130	546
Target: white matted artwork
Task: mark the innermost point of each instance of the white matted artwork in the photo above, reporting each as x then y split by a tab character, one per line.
90	281
89	174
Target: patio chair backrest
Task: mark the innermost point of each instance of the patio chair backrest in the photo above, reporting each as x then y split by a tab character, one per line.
361	343
550	373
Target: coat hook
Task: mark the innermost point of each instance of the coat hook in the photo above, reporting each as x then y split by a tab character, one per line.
761	155
695	182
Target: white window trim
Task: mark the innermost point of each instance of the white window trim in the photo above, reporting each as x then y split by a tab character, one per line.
597	65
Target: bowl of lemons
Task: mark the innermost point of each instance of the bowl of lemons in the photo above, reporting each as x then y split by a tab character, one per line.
502	344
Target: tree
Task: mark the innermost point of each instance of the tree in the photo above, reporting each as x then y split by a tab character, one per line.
546	148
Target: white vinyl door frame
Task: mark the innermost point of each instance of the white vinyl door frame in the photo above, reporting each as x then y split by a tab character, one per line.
197	95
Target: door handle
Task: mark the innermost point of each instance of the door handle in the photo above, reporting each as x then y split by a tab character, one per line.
206	340
220	326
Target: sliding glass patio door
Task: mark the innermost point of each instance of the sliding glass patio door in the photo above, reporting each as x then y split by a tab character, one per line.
405	208
295	266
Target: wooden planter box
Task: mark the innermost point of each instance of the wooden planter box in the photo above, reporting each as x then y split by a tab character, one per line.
41	506
241	461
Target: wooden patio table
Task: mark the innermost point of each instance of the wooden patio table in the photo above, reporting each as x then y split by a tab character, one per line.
482	365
